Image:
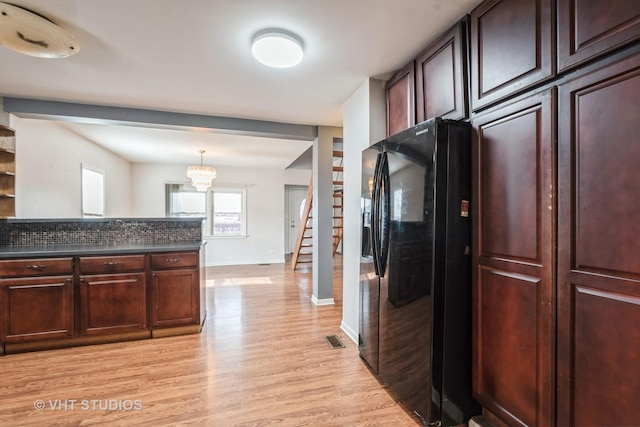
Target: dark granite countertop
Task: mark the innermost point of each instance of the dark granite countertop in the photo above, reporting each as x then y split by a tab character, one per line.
99	220
7	252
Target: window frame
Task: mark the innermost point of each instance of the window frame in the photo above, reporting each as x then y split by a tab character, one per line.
100	212
242	190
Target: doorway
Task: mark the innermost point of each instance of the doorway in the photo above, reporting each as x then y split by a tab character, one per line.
295	196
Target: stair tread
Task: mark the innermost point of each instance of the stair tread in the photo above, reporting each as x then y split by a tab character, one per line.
337	153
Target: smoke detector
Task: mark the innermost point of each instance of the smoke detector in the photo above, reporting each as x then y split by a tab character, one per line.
27	32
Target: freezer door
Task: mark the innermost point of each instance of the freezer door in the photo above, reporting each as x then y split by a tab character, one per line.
369	283
405	290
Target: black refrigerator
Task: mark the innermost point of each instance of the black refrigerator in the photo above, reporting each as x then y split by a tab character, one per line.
415	269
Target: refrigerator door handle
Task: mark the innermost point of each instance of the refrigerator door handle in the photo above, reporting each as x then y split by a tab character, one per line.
375	231
385	212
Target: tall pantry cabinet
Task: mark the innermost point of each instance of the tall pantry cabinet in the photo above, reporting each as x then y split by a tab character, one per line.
554	95
598	281
513	259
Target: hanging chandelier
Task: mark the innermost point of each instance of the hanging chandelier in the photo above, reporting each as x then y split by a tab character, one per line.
201	175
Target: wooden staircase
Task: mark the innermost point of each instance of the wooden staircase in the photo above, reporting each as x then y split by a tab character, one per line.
303	250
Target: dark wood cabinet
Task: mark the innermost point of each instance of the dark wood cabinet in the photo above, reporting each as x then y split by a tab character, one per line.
598	246
113	294
512	48
513	260
588	29
78	300
556	281
36	299
441	77
401	102
113	303
175	298
36	308
175	290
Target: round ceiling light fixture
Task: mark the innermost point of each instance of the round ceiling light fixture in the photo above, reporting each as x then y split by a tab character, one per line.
27	32
277	48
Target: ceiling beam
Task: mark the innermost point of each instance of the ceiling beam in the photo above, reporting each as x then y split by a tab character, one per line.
100	114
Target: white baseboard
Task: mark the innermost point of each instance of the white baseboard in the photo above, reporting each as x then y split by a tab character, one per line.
323	301
252	262
350	332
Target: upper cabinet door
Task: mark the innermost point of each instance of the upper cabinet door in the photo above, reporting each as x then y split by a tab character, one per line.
441	75
401	103
587	28
511	48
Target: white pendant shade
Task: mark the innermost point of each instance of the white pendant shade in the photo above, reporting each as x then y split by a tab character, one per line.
277	48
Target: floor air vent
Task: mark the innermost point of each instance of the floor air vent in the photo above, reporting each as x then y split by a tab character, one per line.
334	341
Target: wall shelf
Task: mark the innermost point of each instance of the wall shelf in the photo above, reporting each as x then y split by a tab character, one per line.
7	172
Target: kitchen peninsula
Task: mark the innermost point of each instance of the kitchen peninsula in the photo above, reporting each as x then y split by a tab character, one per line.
68	282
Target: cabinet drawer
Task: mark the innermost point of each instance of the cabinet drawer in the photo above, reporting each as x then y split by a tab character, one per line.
111	264
36	267
174	260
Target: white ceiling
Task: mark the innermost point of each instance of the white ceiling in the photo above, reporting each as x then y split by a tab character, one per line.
193	56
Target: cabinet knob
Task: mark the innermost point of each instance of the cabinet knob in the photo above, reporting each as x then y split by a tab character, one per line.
113	263
173	259
38	267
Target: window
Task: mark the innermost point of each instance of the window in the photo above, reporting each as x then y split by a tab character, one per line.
229	217
184	201
223	209
92	191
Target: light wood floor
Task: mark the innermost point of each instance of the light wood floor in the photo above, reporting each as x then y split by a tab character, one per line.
261	360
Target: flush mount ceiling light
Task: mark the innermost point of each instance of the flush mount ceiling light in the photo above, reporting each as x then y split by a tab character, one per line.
201	175
27	32
277	48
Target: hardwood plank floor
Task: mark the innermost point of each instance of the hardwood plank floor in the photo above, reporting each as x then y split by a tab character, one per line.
261	360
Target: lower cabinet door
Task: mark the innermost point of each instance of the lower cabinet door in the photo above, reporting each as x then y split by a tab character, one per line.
113	303
175	298
33	309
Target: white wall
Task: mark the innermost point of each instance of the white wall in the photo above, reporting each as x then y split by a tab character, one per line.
364	124
265	208
48	172
48	185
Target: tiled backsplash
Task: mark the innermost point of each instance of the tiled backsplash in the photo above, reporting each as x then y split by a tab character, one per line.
33	232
